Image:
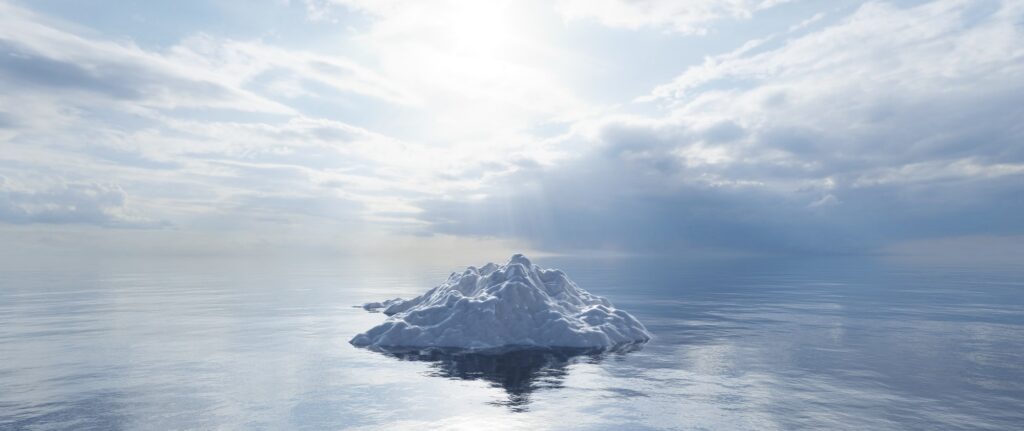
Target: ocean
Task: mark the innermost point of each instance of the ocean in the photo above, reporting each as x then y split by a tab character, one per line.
739	343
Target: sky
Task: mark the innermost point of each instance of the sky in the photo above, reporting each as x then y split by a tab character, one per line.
603	126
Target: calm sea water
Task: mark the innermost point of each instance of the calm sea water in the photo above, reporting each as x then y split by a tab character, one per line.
739	344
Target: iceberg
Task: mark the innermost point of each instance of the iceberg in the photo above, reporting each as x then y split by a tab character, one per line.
517	304
377	306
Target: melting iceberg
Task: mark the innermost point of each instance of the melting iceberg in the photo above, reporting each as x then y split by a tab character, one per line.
515	304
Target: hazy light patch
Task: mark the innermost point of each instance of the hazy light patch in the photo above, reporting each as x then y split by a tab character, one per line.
481	69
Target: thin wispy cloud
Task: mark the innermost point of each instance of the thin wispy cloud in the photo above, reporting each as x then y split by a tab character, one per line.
684	17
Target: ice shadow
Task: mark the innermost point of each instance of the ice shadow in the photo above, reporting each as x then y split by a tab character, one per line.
519	371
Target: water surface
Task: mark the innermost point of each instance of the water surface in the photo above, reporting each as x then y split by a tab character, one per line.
839	343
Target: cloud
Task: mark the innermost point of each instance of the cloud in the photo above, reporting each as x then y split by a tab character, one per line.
68	203
193	130
941	38
200	72
34	52
484	71
695	16
635	195
841	134
248	64
893	124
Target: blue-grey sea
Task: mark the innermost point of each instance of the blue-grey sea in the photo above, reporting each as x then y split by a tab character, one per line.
754	343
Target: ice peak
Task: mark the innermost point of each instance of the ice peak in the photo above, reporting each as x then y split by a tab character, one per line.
515	304
520	259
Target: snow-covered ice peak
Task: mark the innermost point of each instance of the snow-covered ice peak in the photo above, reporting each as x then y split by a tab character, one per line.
515	304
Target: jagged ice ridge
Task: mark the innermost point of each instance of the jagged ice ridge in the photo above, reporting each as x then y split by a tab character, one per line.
515	304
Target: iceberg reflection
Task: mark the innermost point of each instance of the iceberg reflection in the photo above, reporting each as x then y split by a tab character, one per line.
519	371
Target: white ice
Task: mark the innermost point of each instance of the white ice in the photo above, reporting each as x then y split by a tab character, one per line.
515	304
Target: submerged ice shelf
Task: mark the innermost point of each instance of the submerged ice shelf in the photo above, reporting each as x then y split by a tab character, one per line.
515	304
